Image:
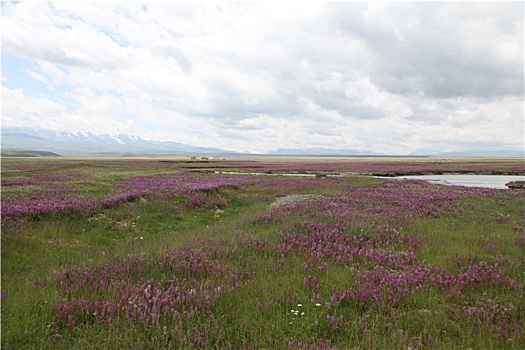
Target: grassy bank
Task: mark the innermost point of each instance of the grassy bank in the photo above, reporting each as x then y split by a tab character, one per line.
149	254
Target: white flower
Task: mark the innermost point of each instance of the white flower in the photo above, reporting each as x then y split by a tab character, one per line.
317	304
299	305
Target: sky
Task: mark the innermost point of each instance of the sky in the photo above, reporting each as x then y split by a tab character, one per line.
390	77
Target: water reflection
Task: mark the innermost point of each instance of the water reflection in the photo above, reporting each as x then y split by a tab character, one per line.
488	181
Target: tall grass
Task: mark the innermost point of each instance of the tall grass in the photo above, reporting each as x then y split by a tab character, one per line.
166	258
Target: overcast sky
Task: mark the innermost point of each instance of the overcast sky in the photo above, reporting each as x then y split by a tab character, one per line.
386	77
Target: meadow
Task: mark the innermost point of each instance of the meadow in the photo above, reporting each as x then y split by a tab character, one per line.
172	253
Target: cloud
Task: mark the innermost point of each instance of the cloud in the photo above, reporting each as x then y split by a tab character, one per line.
453	49
390	77
54	38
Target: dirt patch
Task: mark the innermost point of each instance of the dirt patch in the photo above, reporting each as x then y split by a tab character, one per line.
294	198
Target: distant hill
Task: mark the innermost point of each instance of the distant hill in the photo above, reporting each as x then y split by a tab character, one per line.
87	144
480	153
27	153
28	142
471	153
418	153
322	152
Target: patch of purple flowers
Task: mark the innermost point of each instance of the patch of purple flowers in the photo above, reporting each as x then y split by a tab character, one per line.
186	283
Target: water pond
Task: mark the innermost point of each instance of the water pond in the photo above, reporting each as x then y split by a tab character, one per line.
489	181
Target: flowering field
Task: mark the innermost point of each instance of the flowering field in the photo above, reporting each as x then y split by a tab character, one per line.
150	254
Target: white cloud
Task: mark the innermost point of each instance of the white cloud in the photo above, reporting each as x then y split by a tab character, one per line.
390	77
38	77
20	110
35	31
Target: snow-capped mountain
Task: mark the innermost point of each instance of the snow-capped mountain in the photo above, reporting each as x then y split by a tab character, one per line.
72	144
35	142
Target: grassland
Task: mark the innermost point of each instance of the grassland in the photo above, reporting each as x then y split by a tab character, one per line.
168	253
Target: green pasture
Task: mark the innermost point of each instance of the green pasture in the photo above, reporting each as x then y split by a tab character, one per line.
258	314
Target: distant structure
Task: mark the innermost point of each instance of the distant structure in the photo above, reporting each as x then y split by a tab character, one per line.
201	158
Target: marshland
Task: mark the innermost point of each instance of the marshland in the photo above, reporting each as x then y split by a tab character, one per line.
173	253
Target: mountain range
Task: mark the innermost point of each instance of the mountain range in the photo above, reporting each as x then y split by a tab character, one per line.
28	142
323	152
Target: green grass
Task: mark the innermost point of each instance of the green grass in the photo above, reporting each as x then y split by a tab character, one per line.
484	227
258	313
